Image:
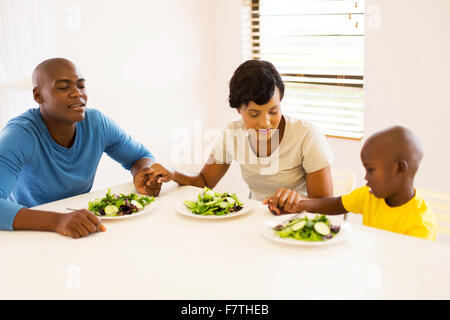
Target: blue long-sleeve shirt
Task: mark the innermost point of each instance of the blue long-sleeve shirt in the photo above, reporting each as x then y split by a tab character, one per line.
34	169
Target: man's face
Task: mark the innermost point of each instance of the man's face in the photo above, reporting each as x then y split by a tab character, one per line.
380	171
62	94
262	120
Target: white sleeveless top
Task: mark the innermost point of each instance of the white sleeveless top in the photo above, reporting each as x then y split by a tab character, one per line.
303	149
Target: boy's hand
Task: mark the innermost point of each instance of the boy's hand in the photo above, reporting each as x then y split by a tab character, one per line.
77	224
149	180
284	201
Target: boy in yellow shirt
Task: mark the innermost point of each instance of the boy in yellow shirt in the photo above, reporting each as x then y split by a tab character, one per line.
389	201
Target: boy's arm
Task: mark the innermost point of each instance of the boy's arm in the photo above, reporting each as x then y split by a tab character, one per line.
328	206
288	201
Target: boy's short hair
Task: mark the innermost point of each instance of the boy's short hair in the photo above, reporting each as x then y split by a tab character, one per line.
254	80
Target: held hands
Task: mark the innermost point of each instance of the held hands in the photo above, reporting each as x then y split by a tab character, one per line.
149	180
285	201
77	224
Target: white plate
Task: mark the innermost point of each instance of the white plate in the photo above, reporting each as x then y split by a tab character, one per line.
147	209
182	209
268	232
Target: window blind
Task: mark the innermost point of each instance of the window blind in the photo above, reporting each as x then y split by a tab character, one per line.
318	48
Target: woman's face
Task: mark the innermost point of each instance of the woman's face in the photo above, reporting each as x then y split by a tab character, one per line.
262	121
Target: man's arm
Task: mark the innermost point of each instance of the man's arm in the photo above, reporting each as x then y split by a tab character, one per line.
76	224
143	180
13	156
141	164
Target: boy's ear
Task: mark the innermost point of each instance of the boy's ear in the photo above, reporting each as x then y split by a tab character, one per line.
37	95
402	166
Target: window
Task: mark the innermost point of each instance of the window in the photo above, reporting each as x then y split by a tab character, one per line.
318	48
25	40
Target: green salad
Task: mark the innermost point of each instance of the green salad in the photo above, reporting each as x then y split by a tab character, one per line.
113	205
214	203
302	228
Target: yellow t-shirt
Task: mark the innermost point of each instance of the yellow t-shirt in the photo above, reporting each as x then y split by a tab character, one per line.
414	218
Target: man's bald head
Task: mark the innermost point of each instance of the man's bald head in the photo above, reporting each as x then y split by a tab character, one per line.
60	91
48	68
395	144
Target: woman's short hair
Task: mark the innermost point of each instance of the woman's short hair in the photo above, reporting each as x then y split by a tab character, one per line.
254	80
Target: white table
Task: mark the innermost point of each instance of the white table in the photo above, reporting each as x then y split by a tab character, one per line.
164	255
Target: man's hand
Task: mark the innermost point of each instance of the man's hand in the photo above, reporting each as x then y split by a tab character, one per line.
284	201
77	224
149	180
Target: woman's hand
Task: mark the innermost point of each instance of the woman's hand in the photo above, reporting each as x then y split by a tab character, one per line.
284	201
149	180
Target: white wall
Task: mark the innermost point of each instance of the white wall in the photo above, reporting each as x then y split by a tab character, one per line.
152	66
159	66
406	82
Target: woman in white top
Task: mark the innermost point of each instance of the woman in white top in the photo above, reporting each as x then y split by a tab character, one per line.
273	150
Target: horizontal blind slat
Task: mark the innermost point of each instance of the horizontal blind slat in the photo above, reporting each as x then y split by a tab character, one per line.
318	48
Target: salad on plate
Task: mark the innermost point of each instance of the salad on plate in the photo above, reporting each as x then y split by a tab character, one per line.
115	205
214	203
301	227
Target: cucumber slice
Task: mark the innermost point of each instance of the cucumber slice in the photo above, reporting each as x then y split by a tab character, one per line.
294	221
322	228
111	210
299	225
231	200
137	204
208	195
190	204
223	205
285	232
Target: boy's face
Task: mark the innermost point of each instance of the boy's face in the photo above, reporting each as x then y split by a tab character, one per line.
380	171
262	120
62	93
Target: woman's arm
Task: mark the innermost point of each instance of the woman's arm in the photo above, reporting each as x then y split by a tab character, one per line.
209	176
319	184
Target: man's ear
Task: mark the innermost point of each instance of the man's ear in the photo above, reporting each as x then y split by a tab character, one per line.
402	166
37	95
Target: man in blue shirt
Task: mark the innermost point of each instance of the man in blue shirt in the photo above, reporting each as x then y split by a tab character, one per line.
52	152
